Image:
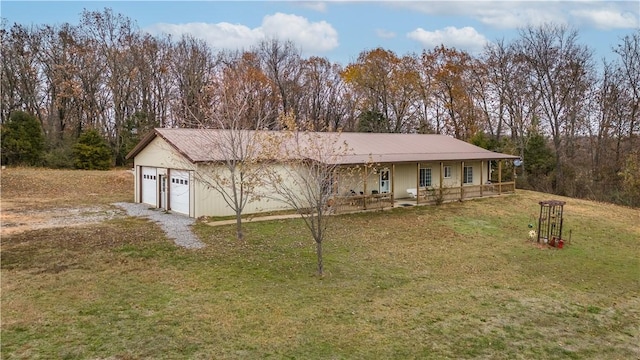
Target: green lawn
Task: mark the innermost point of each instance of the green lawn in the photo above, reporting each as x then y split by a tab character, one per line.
459	280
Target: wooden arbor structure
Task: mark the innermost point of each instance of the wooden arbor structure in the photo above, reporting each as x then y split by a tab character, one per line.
550	222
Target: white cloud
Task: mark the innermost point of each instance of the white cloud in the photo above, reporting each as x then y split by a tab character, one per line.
517	14
385	34
310	37
221	35
608	18
466	38
318	6
518	17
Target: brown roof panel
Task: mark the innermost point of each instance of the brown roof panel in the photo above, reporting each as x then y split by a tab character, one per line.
198	145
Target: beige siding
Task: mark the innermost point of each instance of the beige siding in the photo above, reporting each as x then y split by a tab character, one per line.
405	178
160	154
209	202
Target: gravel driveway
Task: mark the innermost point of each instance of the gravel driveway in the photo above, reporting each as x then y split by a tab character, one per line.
177	227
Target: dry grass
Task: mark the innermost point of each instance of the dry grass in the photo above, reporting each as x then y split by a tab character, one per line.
459	280
33	188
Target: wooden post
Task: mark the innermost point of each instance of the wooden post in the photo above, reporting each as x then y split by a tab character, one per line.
441	177
499	177
417	183
461	180
514	179
481	181
364	192
393	182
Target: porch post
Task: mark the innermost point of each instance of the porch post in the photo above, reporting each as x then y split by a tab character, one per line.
481	171
441	177
364	190
514	179
461	180
418	183
393	182
500	177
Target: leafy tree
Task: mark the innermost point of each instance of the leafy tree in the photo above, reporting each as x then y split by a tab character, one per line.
91	152
61	156
538	157
135	128
630	175
388	84
372	121
451	74
22	140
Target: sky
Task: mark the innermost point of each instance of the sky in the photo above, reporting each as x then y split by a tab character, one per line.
341	30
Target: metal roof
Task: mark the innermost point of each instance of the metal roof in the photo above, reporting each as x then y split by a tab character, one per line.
199	145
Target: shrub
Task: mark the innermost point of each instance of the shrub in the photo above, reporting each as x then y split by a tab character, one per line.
91	152
60	158
22	140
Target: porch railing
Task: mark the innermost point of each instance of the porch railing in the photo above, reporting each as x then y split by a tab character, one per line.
435	195
352	203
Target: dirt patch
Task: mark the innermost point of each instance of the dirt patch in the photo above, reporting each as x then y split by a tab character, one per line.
19	221
36	198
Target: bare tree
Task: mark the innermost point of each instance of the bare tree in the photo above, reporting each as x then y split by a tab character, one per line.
21	84
281	63
629	67
192	67
561	70
241	100
320	107
306	181
515	101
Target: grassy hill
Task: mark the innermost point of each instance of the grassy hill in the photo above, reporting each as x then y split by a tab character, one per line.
460	280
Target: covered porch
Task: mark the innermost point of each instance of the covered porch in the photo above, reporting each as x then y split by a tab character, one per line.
410	184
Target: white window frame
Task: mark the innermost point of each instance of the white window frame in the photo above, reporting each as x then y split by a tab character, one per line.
426	178
447	172
467	175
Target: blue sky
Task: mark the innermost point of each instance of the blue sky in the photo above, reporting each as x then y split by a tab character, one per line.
340	30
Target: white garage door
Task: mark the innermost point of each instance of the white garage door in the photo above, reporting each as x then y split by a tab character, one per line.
179	190
149	187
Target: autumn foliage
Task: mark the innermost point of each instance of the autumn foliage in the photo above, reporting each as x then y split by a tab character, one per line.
104	73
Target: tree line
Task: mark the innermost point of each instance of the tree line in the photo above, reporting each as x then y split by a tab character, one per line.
574	120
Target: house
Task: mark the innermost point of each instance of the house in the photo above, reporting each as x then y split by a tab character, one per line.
417	167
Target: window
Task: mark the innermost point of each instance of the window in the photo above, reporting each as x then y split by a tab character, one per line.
425	177
468	175
447	172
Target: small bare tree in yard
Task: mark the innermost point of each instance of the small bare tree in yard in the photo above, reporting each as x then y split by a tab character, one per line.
241	98
307	180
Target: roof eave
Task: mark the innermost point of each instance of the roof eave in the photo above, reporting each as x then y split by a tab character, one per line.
142	144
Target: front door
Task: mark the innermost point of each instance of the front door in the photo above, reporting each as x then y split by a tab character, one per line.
384	181
163	191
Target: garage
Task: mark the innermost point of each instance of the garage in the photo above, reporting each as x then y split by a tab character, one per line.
179	191
149	186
